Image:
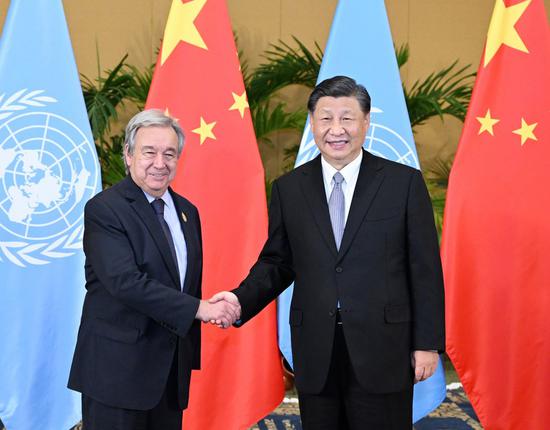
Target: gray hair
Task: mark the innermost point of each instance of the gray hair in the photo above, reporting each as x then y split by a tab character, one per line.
151	118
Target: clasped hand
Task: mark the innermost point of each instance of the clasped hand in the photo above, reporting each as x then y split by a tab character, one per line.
222	309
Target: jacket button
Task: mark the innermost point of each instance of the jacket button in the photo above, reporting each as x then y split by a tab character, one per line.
332	313
339	269
173	340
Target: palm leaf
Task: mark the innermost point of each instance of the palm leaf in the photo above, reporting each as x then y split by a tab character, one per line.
112	164
402	55
446	92
438	171
291	153
285	66
141	84
437	181
437	196
267	120
103	95
242	61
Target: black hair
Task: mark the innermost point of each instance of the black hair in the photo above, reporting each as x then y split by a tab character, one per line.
340	86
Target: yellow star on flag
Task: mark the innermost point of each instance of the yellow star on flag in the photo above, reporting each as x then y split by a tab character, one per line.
205	130
487	123
181	27
526	131
240	103
168	114
502	31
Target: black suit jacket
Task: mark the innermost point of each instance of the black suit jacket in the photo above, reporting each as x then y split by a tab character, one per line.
387	274
134	312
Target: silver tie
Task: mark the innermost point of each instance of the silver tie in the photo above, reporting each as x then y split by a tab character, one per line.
336	208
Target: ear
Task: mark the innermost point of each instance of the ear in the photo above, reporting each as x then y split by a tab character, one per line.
367	121
127	156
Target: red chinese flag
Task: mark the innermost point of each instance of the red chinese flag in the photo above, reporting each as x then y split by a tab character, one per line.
496	236
198	80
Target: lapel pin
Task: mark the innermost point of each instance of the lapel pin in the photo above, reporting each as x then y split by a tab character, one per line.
183	217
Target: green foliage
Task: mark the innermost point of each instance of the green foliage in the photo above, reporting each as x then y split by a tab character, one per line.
437	181
112	163
267	120
446	92
104	95
139	89
285	66
402	55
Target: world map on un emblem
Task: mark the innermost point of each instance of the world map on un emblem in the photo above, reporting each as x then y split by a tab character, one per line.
380	140
47	173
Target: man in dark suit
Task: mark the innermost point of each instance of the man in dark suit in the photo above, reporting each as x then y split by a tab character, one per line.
356	234
139	336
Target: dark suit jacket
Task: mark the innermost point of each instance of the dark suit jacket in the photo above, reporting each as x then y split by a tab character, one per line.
386	275
134	312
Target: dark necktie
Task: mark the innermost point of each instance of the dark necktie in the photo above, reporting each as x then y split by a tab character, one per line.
337	209
158	206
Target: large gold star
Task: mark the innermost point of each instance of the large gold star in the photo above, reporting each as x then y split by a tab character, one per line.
205	130
241	103
487	123
526	131
502	31
181	27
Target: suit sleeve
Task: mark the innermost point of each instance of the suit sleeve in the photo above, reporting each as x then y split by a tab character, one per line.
273	272
110	258
425	271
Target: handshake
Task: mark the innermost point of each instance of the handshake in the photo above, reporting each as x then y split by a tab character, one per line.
222	310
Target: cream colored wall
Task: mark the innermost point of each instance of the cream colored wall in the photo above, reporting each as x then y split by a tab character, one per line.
437	31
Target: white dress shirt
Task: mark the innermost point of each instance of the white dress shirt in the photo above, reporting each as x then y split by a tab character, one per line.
171	218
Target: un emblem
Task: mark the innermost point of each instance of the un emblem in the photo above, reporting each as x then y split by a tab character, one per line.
48	171
381	140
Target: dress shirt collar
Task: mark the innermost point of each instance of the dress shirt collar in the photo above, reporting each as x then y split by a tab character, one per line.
166	197
349	171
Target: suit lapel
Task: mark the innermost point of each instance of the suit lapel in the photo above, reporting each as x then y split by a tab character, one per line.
192	244
314	193
368	182
138	202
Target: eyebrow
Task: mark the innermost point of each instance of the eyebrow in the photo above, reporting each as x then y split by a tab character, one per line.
152	148
327	110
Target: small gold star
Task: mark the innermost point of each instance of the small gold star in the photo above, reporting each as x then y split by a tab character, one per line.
526	131
502	31
168	114
487	123
240	103
205	130
181	27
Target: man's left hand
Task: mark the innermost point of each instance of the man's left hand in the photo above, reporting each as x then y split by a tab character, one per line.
424	364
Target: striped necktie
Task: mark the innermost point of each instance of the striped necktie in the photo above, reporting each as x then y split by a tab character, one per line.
158	206
336	208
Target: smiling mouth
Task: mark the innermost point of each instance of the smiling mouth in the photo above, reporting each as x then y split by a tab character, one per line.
337	144
158	175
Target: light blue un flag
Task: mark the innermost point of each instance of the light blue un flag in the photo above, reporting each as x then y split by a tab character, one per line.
48	170
360	46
